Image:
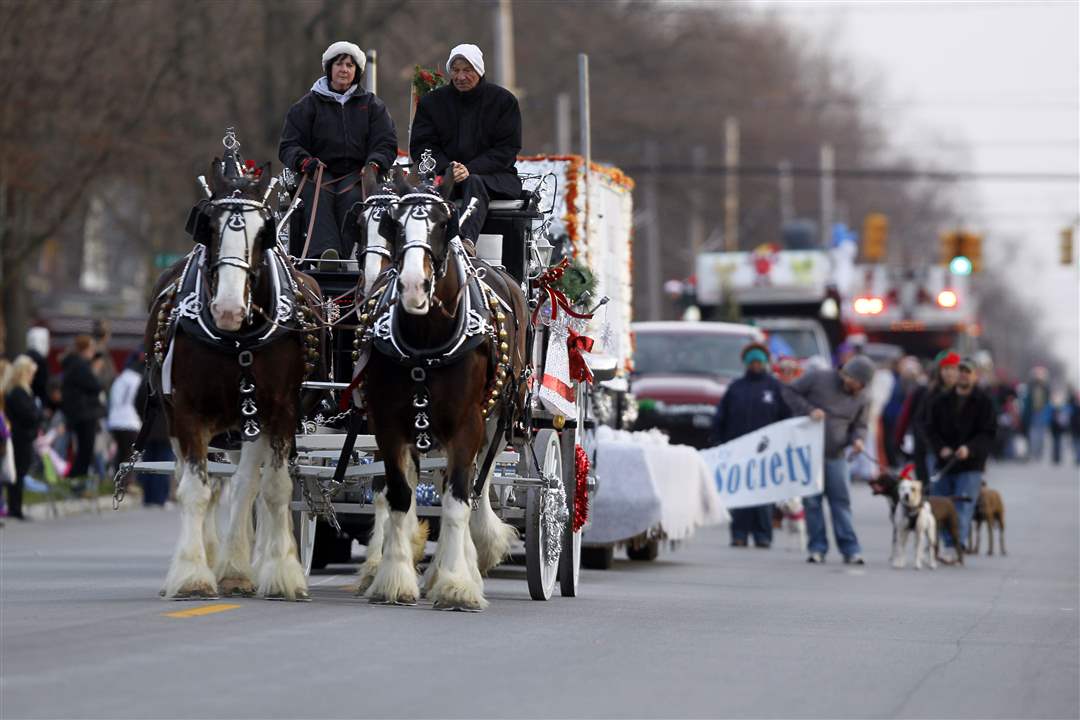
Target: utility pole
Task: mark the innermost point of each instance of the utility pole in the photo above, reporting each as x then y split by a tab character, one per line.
504	45
371	71
562	124
787	193
585	119
731	184
697	203
828	193
652	233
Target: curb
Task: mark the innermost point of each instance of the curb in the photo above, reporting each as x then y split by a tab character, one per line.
78	506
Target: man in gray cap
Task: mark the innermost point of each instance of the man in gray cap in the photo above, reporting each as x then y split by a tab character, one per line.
837	398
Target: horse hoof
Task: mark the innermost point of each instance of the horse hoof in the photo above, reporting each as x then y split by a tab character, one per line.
237	587
195	592
457	607
404	600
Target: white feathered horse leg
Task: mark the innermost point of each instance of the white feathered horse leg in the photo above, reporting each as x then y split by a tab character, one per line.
280	572
189	573
454	580
492	537
395	580
233	570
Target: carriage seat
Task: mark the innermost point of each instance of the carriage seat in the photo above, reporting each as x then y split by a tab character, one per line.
526	206
502	239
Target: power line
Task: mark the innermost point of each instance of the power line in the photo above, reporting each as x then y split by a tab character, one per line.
901	174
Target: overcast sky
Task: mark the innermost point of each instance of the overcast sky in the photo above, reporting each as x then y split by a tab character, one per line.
1003	79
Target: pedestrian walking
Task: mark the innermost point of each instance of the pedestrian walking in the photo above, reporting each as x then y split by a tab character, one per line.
1074	423
1036	412
961	430
155	487
123	420
943	378
81	404
37	344
835	397
24	414
1060	421
750	403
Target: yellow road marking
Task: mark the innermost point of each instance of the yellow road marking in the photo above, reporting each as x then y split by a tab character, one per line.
203	610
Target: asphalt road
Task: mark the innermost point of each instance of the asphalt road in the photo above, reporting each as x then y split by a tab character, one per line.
705	631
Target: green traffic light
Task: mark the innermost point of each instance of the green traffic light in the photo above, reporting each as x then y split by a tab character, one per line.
960	265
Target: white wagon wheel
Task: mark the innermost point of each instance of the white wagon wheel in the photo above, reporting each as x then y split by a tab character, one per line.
540	568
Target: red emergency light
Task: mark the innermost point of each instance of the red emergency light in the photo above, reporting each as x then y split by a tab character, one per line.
869	305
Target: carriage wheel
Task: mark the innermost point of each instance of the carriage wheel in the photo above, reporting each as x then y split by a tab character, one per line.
570	560
540	573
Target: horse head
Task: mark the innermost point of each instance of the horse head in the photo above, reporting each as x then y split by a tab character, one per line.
376	238
242	229
423	215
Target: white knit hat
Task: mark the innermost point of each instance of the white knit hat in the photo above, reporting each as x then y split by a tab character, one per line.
345	48
471	53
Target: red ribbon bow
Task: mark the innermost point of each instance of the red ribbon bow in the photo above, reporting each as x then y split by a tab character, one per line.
575	345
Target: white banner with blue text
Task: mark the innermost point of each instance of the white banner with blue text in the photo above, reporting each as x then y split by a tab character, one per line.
779	461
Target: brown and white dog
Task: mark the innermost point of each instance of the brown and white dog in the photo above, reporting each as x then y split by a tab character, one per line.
793	515
942	509
989	509
913	513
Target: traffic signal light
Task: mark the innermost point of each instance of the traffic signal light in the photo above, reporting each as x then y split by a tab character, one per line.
1067	245
971	248
875	237
950	246
961	252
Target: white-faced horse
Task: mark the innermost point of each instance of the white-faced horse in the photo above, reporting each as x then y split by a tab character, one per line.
233	339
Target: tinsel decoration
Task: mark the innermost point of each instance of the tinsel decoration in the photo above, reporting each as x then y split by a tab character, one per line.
576	280
553	516
581	493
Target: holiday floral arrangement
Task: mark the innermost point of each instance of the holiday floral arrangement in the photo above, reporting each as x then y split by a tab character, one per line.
424	80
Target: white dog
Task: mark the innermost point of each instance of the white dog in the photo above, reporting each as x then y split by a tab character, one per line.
913	513
794	518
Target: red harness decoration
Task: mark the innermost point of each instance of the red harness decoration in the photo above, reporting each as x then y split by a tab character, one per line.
801	515
581	495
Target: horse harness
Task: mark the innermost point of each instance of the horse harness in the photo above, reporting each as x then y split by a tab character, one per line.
186	309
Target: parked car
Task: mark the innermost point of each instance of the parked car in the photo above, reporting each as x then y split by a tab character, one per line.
681	370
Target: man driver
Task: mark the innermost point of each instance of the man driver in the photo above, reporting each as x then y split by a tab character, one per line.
473	128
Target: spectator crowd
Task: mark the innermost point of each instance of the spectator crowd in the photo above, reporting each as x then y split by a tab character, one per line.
63	434
942	420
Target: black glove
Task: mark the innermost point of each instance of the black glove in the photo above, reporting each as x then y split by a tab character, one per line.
310	165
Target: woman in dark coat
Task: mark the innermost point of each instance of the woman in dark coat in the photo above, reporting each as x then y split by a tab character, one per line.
344	129
81	403
25	416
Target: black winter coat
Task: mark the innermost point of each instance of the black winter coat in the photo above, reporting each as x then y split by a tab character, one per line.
345	137
750	403
480	129
80	391
954	421
25	417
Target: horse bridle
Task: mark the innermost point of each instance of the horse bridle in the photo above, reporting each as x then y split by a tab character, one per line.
418	210
375	206
237	207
